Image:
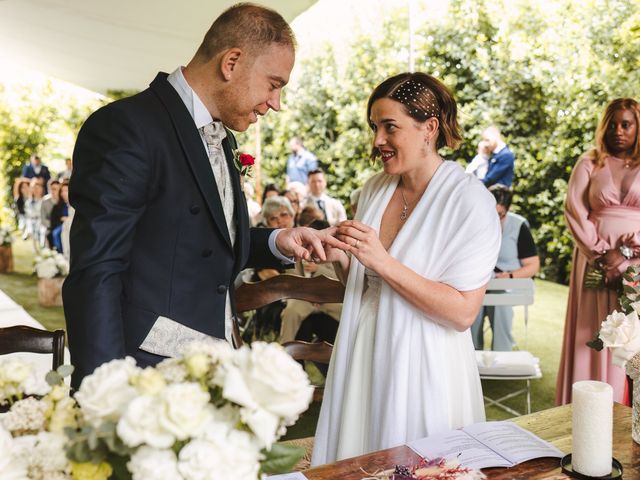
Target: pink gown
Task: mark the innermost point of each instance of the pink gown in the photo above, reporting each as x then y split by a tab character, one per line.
602	210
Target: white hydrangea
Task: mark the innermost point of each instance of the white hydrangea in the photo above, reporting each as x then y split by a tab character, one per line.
26	415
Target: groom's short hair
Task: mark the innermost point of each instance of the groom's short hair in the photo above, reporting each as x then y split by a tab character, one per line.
247	26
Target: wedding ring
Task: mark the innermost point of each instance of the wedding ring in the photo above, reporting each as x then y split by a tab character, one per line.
357	242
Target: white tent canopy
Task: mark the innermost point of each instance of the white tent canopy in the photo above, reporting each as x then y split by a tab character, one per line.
119	44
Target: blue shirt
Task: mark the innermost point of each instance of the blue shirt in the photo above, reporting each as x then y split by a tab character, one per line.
300	164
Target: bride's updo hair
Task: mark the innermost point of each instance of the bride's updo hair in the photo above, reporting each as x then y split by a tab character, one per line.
423	97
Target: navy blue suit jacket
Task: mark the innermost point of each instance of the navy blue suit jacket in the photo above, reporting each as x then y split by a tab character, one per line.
500	168
149	236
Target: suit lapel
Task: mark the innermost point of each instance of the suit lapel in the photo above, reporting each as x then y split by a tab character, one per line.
193	148
241	213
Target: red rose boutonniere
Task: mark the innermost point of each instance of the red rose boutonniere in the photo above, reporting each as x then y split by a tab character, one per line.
243	162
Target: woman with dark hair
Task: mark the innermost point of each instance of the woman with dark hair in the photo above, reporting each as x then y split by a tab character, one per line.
270	190
603	214
403	365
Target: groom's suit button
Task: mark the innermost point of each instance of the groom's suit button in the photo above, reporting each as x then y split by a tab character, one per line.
222	289
195	209
207	252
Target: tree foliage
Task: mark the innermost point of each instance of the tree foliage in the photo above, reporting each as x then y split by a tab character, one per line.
542	74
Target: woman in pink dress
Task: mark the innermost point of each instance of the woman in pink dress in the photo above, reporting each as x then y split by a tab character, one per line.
603	213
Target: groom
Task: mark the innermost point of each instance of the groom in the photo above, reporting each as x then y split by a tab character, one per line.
161	226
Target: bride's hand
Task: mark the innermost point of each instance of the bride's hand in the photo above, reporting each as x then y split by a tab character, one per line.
364	243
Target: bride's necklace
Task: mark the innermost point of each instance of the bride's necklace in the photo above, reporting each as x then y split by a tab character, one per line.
405	206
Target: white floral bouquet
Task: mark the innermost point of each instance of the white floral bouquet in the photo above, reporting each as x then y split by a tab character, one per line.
32	434
49	264
621	330
6	238
214	413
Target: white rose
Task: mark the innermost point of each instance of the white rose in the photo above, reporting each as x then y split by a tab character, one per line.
11	467
148	462
218	351
197	364
149	381
621	333
272	381
184	409
223	454
47	268
140	425
105	394
13	370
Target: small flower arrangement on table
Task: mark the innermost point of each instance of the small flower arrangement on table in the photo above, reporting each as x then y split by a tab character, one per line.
49	264
620	331
435	469
6	239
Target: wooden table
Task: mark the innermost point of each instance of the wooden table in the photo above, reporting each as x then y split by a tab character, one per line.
553	425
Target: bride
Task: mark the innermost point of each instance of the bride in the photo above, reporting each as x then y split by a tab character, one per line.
422	248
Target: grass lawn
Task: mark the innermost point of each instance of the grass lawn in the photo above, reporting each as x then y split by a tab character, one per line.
546	322
22	287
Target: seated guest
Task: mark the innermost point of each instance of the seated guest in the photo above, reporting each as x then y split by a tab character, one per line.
332	209
21	193
276	213
302	320
48	202
270	190
59	214
518	258
252	206
32	209
295	200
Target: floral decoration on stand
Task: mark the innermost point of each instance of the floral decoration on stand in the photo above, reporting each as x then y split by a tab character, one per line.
620	331
49	264
6	238
243	162
435	469
32	434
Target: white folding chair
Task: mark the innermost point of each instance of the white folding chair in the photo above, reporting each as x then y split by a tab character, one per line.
520	365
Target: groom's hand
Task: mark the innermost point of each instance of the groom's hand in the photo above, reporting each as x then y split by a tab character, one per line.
306	243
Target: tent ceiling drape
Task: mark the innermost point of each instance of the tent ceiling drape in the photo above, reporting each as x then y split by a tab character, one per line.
119	44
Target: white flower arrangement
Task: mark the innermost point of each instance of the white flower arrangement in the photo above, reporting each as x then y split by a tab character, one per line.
49	264
621	330
212	413
6	238
32	434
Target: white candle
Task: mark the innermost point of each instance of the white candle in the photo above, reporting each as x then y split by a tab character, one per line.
592	428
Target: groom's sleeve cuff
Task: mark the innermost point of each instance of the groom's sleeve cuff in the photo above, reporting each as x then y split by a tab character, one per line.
274	250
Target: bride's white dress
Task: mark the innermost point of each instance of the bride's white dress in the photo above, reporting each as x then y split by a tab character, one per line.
396	375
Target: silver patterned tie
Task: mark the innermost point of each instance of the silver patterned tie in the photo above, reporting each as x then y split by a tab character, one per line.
213	134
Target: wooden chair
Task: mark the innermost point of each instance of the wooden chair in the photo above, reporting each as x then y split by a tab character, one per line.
319	352
320	289
21	338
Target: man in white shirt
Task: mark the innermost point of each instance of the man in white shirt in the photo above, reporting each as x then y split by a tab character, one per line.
161	227
333	210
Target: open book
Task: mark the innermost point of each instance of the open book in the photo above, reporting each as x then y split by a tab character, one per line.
486	444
